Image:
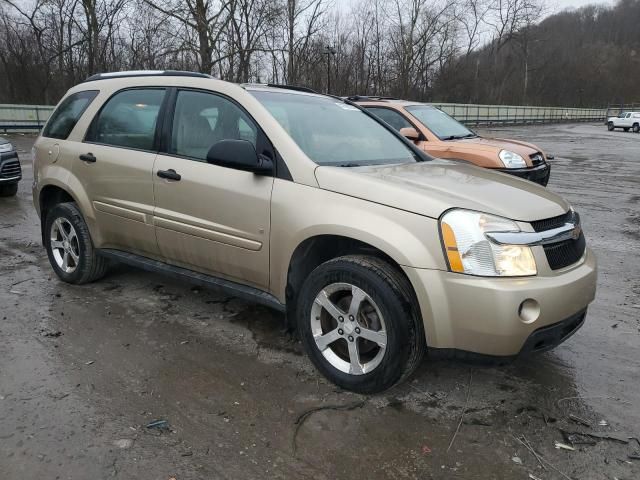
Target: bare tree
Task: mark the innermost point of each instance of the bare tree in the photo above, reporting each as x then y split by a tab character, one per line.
206	18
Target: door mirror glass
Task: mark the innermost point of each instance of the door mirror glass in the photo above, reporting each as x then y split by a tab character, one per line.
240	155
410	133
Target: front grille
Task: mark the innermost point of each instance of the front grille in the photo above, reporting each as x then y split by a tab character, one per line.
565	253
554	222
10	169
536	159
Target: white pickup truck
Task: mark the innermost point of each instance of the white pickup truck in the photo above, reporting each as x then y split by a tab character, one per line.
626	120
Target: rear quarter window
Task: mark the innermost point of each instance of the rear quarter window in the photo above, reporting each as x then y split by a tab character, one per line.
65	117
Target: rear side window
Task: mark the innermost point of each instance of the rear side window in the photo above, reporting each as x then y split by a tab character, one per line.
391	117
128	119
67	114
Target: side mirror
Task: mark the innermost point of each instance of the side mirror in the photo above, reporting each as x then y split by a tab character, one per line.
241	155
410	133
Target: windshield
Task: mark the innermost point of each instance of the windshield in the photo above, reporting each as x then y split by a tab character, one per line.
441	124
331	132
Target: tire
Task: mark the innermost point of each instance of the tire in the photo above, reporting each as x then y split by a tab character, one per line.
388	313
626	129
9	190
636	128
83	265
610	126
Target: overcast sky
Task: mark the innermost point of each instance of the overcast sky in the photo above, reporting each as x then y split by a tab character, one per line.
562	4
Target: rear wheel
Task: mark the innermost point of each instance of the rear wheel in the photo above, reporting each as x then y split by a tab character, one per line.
636	128
359	324
69	246
610	126
8	190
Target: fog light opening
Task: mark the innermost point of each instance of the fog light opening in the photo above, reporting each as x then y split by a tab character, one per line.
529	310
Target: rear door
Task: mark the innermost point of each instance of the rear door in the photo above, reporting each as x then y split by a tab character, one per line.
209	218
115	163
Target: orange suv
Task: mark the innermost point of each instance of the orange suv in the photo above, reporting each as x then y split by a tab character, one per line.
442	136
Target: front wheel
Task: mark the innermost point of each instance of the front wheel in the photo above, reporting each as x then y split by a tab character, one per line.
359	323
69	246
610	126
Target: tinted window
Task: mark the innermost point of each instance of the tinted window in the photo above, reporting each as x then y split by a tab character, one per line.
67	114
441	124
331	132
128	119
203	119
393	118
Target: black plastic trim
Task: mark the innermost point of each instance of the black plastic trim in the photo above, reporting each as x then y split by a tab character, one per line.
232	288
539	341
297	88
538	174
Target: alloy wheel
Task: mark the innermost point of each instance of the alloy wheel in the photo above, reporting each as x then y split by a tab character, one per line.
348	328
64	245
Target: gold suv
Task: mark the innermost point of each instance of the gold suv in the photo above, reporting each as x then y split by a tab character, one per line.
313	206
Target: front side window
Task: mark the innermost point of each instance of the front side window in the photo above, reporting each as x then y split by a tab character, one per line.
331	132
202	119
128	119
67	114
392	117
441	124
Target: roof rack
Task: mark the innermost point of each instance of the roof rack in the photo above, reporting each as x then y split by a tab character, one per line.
146	73
360	98
297	88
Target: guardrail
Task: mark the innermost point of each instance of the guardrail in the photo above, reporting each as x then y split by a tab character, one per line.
22	118
33	117
484	115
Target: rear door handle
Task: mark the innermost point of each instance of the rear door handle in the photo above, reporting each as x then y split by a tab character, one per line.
88	157
169	174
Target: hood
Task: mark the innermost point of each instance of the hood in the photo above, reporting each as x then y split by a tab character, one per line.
431	188
2	140
523	149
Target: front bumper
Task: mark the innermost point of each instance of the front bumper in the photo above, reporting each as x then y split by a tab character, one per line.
10	170
539	174
483	315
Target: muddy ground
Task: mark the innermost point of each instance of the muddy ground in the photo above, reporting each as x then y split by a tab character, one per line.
84	369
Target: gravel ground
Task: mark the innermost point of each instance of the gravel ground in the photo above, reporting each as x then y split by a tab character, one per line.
84	369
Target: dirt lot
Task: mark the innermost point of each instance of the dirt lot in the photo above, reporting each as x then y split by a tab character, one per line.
84	369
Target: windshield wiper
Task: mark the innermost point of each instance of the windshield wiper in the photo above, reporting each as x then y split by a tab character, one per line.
460	137
351	165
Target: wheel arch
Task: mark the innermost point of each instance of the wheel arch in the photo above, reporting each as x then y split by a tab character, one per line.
317	249
56	192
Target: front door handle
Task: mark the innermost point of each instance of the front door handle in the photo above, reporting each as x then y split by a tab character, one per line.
169	174
88	157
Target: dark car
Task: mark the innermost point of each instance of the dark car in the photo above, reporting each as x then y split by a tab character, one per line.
10	171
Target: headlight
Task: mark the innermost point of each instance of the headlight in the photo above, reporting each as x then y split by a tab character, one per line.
6	147
512	159
469	251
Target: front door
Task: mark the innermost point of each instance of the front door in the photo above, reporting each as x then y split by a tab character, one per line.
115	164
209	218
